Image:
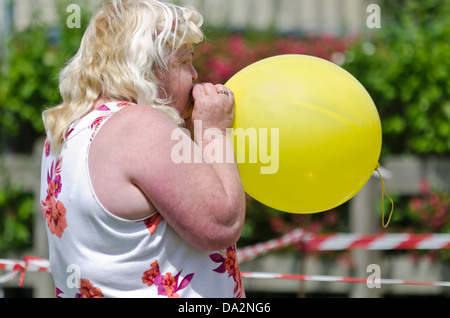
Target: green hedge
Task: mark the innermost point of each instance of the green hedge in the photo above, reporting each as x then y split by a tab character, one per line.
406	69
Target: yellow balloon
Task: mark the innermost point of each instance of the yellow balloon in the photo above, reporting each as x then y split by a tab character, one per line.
307	135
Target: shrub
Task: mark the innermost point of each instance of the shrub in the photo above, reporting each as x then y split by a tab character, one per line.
405	67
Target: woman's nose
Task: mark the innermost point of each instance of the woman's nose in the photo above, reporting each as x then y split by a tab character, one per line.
194	73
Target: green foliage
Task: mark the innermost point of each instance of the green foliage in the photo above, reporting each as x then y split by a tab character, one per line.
16	219
406	68
29	83
29	78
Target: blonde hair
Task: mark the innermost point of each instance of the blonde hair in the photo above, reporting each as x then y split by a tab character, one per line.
126	42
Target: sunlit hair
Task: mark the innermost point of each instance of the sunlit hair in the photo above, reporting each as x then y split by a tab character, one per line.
126	43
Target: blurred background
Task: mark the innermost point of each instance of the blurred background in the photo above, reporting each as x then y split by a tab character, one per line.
399	50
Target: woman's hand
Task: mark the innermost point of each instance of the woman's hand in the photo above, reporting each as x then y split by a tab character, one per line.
213	107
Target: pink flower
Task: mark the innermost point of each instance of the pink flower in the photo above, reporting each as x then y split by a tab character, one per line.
54	186
424	187
434	199
150	275
229	264
47	148
51	189
228	260
54	211
55	215
58	185
152	223
87	290
223	68
237	45
167	284
416	204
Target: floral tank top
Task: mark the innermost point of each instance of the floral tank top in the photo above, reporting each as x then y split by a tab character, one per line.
93	253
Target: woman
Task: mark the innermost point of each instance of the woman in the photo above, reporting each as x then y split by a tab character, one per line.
123	219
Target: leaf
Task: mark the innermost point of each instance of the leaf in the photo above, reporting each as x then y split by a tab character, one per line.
50	174
185	281
221	269
217	258
58	166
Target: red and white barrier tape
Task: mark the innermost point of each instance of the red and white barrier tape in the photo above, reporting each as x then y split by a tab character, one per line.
339	242
33	264
28	264
307	241
339	279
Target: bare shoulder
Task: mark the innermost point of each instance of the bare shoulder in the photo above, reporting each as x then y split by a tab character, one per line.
143	116
137	135
139	126
126	151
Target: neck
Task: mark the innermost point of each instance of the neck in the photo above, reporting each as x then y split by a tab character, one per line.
100	102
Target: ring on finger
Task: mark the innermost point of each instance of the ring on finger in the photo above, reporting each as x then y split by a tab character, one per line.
224	93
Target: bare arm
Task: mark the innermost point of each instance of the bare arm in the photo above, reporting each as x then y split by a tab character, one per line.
204	202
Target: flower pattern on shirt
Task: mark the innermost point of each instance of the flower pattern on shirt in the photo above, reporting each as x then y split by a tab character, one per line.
167	284
53	210
47	147
229	264
152	223
86	290
105	113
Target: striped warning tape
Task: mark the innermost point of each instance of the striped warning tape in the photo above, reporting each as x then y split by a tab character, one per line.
307	241
28	264
339	242
339	279
33	264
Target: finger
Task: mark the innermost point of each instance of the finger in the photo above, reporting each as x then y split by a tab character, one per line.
223	90
198	90
209	89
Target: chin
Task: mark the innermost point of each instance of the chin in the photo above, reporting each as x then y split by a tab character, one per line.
187	114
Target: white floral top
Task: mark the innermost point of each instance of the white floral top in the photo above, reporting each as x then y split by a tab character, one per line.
96	254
